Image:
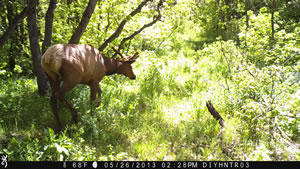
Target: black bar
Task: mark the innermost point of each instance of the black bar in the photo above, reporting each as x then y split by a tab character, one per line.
154	165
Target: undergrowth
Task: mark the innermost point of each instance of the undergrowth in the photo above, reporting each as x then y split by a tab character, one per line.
162	114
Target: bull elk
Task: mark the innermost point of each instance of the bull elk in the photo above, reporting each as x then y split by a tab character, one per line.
74	64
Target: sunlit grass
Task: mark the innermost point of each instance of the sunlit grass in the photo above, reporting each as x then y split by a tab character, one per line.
178	111
159	116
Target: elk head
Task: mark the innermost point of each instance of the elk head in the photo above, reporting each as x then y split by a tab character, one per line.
124	65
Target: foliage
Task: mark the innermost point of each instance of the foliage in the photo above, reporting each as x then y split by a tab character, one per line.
252	81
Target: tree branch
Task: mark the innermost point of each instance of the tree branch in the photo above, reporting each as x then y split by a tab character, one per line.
84	21
164	39
121	25
13	25
155	19
226	59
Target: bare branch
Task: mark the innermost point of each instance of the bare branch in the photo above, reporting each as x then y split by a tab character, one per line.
155	19
227	60
165	38
121	25
14	24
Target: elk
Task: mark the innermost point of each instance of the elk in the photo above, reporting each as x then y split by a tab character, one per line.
72	64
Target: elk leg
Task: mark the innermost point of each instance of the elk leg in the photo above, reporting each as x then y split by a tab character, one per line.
55	110
93	93
66	86
99	95
95	90
54	86
93	96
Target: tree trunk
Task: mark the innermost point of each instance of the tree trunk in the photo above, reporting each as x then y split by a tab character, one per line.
12	26
13	42
247	8
84	21
121	25
48	25
35	48
272	20
237	17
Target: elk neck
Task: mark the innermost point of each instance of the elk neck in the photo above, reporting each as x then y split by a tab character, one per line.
111	65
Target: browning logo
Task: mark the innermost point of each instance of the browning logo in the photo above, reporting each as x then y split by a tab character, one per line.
3	160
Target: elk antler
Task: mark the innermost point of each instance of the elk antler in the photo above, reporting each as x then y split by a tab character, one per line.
118	52
134	57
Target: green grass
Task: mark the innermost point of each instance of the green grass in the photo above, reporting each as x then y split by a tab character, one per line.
159	116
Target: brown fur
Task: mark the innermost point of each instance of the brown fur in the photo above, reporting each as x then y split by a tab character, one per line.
72	64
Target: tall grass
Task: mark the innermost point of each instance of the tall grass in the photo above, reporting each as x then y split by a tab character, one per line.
159	116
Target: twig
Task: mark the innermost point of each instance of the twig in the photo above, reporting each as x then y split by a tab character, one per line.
119	30
155	19
227	60
282	133
173	30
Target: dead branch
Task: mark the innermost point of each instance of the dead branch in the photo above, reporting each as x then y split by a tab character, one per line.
155	19
215	113
227	60
121	25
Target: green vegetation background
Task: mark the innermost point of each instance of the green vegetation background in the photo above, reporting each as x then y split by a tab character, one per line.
251	80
